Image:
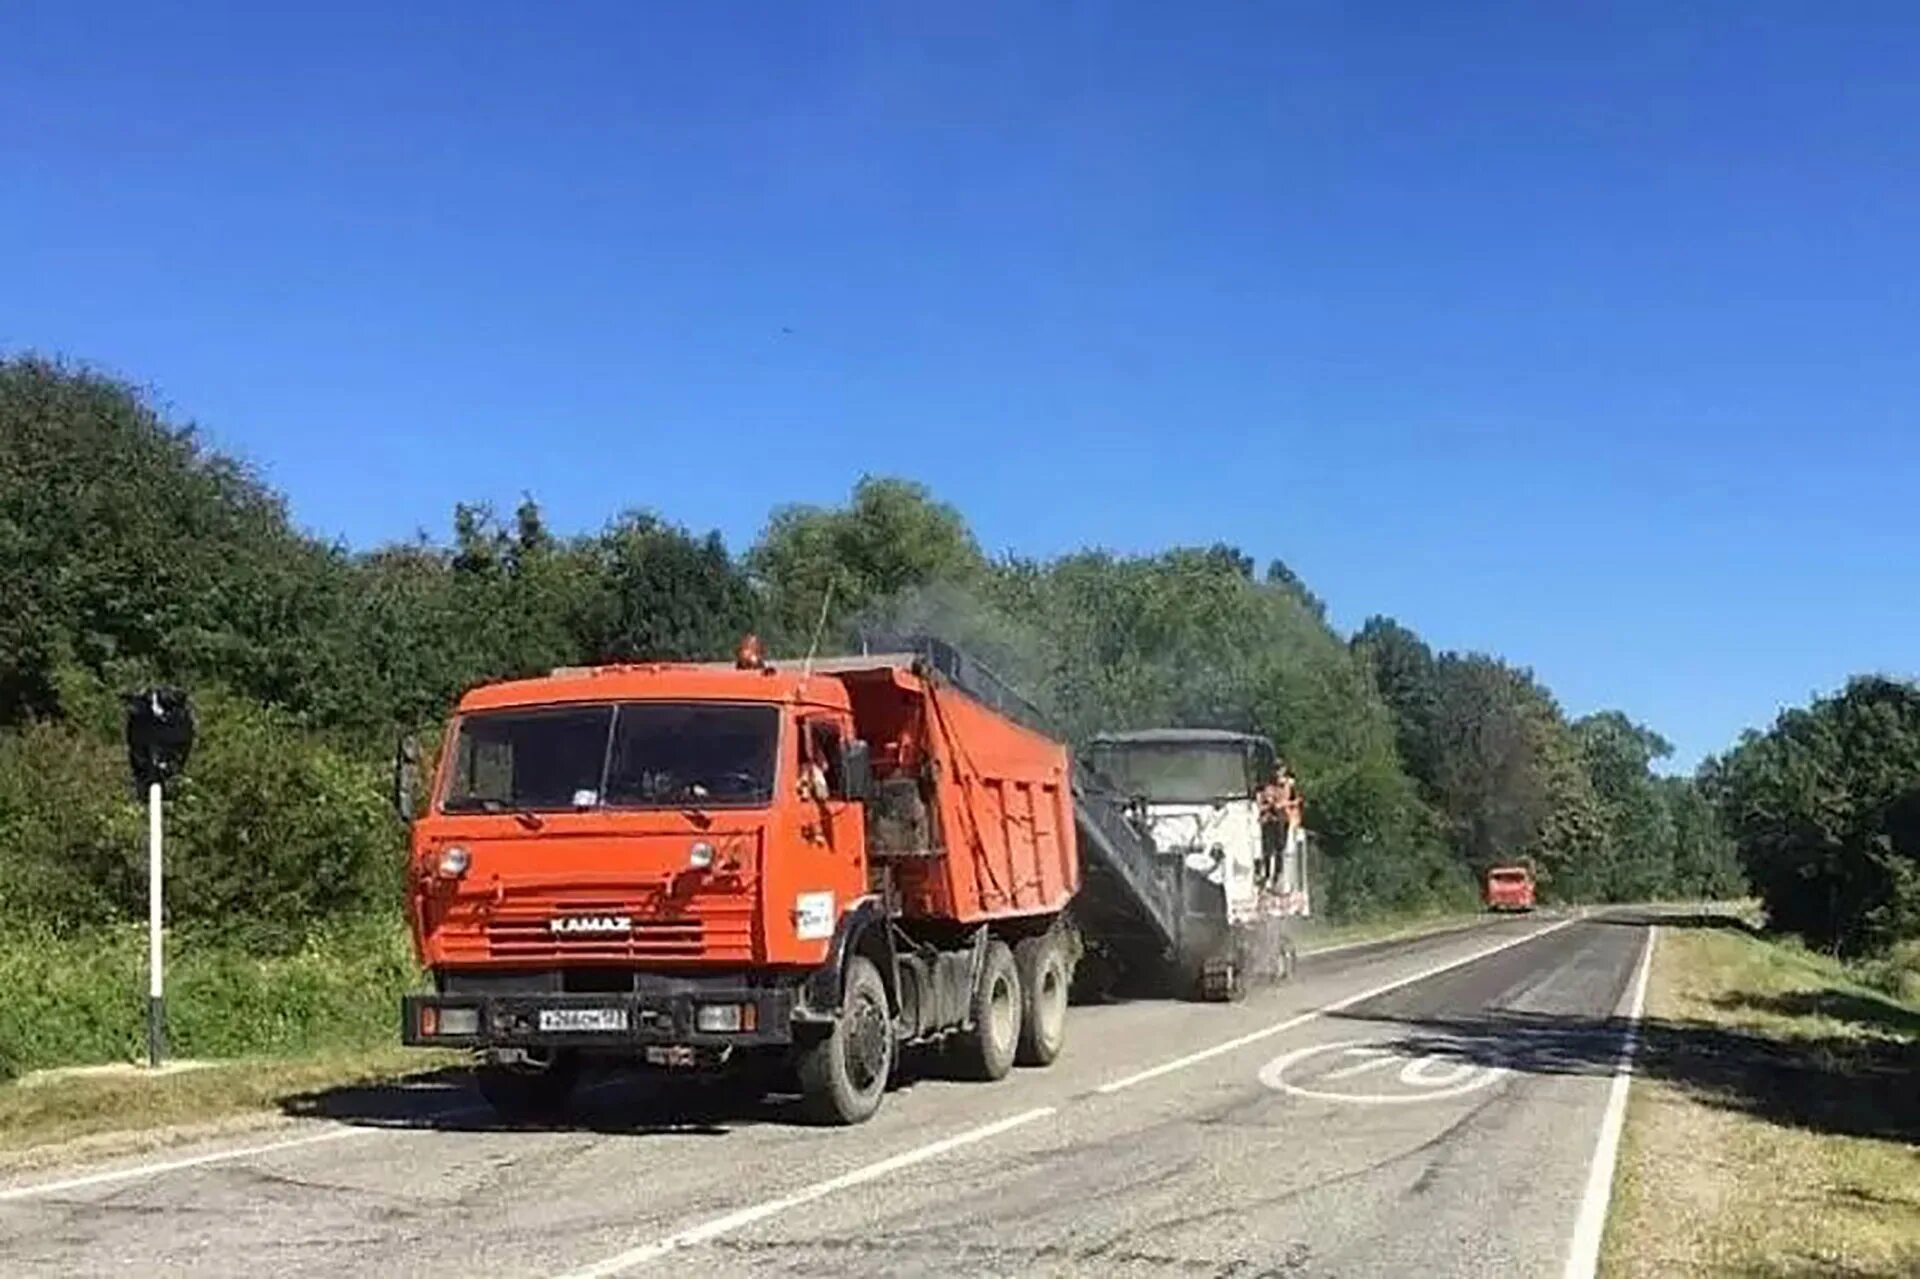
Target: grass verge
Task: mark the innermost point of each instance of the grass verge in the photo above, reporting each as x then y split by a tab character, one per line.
320	1016
81	1000
1774	1123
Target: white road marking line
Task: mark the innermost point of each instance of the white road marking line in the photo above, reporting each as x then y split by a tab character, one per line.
1380	1059
1583	1256
1475	1077
174	1165
1278	1028
41	1189
744	1217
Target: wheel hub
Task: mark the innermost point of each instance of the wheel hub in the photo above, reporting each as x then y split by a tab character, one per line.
866	1044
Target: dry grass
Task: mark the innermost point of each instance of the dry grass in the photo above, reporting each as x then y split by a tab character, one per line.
1787	1162
58	1119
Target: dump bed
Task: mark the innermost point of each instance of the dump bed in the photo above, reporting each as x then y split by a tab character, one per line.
1132	895
973	815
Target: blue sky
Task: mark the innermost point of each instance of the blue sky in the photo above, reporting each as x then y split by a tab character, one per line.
1587	337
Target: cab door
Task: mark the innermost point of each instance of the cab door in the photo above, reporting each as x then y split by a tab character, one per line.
819	868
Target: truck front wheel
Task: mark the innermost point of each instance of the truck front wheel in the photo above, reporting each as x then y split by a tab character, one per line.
843	1073
530	1092
1044	981
987	1049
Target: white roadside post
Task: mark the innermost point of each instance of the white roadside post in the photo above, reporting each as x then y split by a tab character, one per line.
156	958
159	736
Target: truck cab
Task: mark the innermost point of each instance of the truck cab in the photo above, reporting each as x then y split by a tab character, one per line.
1509	888
658	855
1197	792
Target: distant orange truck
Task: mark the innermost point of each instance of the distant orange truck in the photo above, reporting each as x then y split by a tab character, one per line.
1509	888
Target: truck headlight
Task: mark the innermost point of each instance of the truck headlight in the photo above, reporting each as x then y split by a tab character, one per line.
723	1019
459	1021
453	862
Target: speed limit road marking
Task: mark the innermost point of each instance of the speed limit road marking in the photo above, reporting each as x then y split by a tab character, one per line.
1377	1073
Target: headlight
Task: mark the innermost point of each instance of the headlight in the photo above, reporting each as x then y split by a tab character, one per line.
454	862
723	1019
459	1021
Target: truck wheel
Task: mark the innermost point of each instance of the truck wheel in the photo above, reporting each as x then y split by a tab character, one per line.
1044	981
987	1049
1223	979
523	1093
843	1073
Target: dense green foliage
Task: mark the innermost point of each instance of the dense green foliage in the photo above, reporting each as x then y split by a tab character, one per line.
130	552
1826	808
76	998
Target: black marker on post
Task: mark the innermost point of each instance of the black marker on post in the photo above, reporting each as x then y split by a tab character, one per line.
159	737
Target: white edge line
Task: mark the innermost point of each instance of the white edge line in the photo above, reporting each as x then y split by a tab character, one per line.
1583	1255
1466	924
744	1217
38	1189
1267	1032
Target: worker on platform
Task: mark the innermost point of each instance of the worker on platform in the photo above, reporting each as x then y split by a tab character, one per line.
1279	802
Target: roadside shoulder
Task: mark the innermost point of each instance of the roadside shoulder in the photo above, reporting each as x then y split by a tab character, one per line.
1773	1118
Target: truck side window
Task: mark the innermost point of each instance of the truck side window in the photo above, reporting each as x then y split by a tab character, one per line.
822	747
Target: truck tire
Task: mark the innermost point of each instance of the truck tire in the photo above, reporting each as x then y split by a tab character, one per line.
526	1093
1044	982
987	1047
843	1073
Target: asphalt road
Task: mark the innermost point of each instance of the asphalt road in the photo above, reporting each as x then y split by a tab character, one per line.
1420	1108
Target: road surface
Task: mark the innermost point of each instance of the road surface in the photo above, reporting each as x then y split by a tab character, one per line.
1427	1107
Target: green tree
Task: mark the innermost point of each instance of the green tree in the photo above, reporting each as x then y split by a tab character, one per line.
892	536
133	551
659	592
1823	808
1405	673
1619	756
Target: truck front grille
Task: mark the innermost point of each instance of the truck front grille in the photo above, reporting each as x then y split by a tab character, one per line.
534	940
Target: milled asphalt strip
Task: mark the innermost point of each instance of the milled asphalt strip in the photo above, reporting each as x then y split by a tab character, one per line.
1583	1257
807	1194
1281	1027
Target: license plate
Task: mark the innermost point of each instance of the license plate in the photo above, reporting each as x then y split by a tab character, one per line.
583	1019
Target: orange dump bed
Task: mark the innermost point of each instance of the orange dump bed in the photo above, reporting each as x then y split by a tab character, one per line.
974	819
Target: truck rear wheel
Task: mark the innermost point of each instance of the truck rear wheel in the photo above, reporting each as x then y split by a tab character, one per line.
843	1073
986	1049
1044	982
530	1092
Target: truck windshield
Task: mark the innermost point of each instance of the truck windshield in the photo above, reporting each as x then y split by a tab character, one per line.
633	755
1176	773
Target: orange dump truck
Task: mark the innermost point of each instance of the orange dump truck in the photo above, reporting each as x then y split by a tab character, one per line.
1509	888
704	865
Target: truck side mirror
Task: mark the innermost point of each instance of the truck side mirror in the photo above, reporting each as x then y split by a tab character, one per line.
856	771
406	776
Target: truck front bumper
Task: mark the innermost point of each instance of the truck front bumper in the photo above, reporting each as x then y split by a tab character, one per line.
695	1012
